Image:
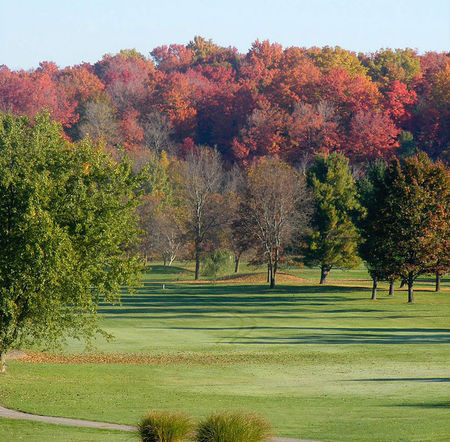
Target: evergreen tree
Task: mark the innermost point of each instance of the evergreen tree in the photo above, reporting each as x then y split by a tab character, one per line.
333	241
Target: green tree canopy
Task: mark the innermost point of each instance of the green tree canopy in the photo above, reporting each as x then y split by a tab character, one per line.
416	210
67	221
333	240
374	247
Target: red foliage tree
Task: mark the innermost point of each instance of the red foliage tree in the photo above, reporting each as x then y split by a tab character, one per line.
372	134
399	102
313	129
264	135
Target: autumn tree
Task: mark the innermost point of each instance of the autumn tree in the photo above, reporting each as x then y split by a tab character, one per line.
416	210
372	134
239	241
160	216
164	234
275	207
98	122
313	129
333	240
386	66
157	132
202	179
328	57
67	224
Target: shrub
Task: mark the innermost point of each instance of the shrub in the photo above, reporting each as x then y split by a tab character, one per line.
233	427
216	262
164	426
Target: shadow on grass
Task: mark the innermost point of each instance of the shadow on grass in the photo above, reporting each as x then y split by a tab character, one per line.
200	299
351	336
430	405
168	269
402	380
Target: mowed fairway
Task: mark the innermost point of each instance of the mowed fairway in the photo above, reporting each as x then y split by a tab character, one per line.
322	363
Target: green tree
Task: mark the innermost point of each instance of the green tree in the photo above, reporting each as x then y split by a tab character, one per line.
374	247
416	209
67	220
387	65
216	262
333	241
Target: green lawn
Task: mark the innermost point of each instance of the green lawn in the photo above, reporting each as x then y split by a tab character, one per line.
319	362
18	430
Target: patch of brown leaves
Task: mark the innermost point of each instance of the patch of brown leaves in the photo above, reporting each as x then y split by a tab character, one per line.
123	358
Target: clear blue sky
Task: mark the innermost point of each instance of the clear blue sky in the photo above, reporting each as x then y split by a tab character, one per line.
71	31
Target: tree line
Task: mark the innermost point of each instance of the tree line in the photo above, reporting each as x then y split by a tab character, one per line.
393	215
270	101
76	219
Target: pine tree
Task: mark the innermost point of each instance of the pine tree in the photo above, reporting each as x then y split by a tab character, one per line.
333	241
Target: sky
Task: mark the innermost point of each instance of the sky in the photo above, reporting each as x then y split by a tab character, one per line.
70	32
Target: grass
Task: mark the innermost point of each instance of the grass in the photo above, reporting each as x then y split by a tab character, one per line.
320	363
18	430
165	426
233	427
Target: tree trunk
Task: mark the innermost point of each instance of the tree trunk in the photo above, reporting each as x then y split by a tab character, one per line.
410	288
374	288
269	273
2	361
324	270
438	281
197	262
273	273
391	287
403	283
236	263
164	260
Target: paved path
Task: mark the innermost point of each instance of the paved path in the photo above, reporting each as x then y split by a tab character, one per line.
13	414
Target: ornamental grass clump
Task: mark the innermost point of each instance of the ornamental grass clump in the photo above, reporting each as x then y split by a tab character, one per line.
233	427
164	426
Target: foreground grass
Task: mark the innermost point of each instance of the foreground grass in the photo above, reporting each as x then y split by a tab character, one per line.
318	362
17	430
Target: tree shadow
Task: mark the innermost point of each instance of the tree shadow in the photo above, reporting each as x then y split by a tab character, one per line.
429	405
168	270
351	336
152	298
402	380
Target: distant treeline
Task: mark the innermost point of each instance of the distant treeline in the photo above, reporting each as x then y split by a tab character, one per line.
393	215
290	102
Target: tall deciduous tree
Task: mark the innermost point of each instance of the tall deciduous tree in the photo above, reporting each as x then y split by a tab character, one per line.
66	223
374	247
275	207
202	181
416	210
333	241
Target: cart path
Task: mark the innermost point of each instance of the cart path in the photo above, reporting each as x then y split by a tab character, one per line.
14	414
